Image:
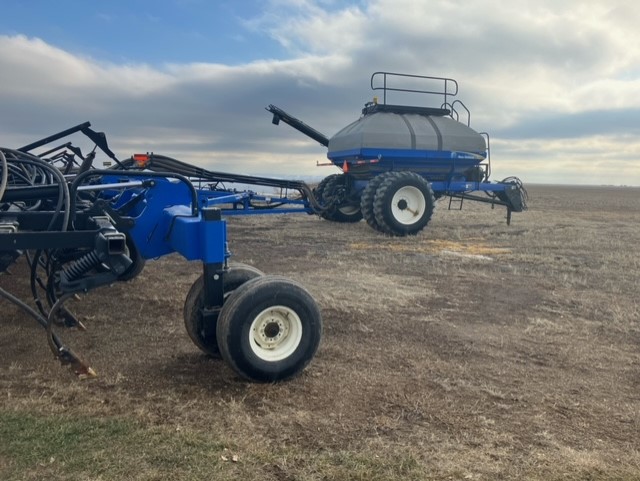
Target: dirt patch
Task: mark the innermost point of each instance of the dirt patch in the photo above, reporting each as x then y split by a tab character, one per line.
478	349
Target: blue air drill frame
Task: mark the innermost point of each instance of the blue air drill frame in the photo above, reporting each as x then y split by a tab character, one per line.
80	228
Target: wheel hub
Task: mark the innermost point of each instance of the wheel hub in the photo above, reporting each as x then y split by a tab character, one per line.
275	333
270	333
408	205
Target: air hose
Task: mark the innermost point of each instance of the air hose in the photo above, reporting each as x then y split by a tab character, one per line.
5	174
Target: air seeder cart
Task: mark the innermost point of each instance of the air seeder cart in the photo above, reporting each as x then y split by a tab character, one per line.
396	160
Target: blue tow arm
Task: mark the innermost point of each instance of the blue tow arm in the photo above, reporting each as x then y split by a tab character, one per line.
165	222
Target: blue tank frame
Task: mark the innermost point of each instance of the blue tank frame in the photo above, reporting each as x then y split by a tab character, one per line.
448	172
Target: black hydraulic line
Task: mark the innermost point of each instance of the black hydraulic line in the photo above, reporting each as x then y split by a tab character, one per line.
63	353
46	172
299	125
161	163
25	307
522	194
4	174
518	183
63	189
36	192
265	207
19	174
22	174
73	189
54	137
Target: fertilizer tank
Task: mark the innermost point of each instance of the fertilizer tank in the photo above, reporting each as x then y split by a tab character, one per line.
397	159
420	139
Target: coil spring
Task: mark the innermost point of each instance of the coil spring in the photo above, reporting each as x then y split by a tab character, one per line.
83	265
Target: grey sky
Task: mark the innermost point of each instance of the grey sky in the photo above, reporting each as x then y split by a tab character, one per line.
557	86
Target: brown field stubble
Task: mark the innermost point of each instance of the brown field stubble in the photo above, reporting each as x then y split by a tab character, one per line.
475	350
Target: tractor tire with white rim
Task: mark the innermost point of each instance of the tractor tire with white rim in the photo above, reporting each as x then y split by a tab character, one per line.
403	204
269	329
204	337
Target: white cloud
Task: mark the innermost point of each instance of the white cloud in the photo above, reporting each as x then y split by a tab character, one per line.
526	70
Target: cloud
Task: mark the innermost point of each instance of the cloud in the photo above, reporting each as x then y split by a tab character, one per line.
532	73
600	159
213	107
543	125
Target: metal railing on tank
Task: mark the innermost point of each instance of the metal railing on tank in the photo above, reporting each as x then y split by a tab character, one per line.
442	86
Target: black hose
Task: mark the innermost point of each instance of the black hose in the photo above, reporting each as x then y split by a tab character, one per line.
25	307
161	163
54	340
23	158
5	174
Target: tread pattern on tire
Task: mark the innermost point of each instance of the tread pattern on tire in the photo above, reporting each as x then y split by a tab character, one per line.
332	182
382	203
323	194
319	190
237	275
238	313
367	198
334	213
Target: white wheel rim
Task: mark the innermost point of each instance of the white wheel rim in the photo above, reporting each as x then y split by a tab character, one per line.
408	205
275	333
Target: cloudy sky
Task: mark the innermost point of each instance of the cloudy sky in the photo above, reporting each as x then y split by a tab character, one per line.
556	84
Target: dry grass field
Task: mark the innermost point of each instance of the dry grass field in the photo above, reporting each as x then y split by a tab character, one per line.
474	350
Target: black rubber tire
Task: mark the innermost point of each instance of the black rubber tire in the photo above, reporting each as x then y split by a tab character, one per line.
318	193
237	275
137	262
319	190
366	200
340	211
247	305
419	196
330	193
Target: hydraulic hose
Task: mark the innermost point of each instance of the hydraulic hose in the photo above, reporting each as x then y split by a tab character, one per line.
5	174
161	163
62	352
23	158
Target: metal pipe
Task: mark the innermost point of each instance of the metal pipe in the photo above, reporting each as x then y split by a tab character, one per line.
51	138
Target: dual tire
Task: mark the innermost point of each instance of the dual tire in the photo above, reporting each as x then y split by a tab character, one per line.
204	336
398	203
268	329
